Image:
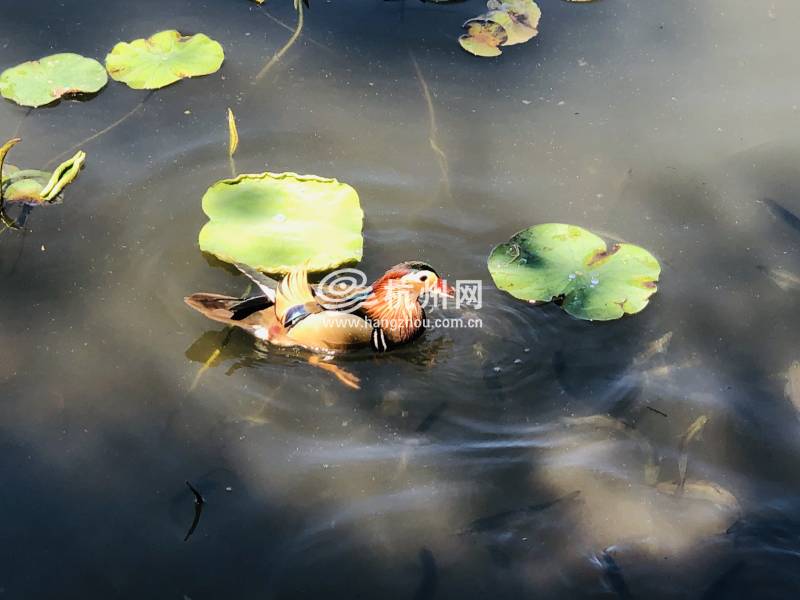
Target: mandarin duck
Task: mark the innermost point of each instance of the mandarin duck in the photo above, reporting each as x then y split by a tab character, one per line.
329	319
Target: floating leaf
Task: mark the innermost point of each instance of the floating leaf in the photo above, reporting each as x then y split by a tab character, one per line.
233	134
483	38
163	58
276	221
39	82
35	187
574	266
520	19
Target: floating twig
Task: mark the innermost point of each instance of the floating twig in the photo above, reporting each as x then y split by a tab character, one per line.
199	501
655	410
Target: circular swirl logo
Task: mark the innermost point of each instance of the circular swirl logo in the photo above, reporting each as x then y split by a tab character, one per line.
343	290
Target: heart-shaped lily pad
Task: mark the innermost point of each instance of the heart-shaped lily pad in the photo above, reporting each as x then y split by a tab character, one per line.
34	187
39	82
575	267
276	221
163	58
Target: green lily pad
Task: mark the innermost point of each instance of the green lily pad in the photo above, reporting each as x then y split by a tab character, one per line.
31	186
163	58
39	82
575	267
276	221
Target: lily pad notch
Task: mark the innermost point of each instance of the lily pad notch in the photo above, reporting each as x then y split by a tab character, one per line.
274	222
575	268
47	80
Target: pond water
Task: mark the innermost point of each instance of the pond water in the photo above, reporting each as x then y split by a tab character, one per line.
528	457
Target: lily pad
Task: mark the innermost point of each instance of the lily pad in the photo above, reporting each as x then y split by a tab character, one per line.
520	19
163	58
34	187
39	82
483	38
573	266
276	221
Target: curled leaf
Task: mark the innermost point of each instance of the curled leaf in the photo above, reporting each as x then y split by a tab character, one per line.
520	18
40	82
31	186
233	134
483	38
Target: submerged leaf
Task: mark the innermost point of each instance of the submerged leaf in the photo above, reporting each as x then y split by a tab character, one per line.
163	58
39	82
574	266
276	221
483	38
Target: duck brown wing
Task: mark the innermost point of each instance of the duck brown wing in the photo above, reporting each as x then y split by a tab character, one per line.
331	330
233	311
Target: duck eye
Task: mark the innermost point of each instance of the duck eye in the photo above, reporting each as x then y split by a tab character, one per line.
423	278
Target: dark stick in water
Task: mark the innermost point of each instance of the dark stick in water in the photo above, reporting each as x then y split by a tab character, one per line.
432	417
430	576
613	575
199	501
501	519
783	213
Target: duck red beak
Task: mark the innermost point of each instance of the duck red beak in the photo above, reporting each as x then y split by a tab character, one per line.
441	288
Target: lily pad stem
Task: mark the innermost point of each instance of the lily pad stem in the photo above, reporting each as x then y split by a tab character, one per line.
21	121
433	129
92	138
279	54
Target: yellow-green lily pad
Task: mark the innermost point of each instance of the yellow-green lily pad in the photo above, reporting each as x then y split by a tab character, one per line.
277	221
520	19
483	38
44	81
163	58
573	266
34	187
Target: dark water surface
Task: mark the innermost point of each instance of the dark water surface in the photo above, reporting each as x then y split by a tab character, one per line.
659	123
